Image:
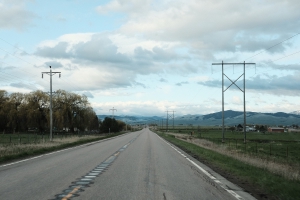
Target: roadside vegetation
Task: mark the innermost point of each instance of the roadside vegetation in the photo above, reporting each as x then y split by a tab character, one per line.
30	112
25	123
278	147
264	176
13	151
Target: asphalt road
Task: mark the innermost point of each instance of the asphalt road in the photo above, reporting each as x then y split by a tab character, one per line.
139	165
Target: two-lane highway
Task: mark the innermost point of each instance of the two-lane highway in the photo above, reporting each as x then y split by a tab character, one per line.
139	165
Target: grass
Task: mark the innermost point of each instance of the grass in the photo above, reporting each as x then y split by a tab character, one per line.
270	183
283	147
12	151
27	138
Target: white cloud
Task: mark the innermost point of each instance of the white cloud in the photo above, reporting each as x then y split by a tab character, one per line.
150	107
236	100
14	15
127	6
214	25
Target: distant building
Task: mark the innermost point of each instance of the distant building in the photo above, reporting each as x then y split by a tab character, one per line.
292	130
239	127
275	129
250	129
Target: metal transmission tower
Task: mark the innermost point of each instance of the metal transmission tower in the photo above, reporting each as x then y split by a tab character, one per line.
171	116
51	73
233	83
113	111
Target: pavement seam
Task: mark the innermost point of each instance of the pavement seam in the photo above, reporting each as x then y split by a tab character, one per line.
204	171
85	181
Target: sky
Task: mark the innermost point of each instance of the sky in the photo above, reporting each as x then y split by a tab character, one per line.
146	57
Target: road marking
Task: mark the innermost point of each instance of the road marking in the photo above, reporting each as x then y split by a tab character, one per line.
205	172
86	180
71	193
13	163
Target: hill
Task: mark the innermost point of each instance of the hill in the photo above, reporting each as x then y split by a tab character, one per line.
231	118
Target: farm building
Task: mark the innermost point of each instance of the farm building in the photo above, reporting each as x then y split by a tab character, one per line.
293	130
275	129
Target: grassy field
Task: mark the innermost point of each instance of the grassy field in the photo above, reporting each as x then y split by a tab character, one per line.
262	182
284	147
25	145
25	138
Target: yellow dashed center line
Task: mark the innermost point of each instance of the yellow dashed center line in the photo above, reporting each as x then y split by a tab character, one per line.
71	193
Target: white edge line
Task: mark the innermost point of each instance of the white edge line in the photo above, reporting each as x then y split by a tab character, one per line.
61	151
205	172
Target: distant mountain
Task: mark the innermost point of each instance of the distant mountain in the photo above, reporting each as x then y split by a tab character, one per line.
132	119
237	117
230	117
296	112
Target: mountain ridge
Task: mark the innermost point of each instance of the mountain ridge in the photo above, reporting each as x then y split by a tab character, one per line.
230	117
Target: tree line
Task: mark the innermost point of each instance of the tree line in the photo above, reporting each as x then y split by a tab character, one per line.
22	112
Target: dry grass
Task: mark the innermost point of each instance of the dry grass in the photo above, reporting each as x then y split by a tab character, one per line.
285	170
13	149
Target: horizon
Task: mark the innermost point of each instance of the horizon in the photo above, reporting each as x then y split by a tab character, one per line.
298	111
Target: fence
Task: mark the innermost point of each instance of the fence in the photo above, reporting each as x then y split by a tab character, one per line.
264	148
6	139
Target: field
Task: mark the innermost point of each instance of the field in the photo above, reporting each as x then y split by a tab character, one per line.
260	182
17	146
25	138
282	147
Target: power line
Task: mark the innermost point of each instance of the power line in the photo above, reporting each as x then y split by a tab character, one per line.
286	56
273	46
32	63
22	52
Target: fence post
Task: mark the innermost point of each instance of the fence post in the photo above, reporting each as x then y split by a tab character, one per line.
256	147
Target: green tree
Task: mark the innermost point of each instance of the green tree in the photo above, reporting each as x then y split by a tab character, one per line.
111	125
37	109
3	109
14	116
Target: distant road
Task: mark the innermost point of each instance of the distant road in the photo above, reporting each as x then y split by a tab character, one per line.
138	165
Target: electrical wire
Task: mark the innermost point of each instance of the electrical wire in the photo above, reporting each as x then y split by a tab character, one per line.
33	64
286	56
273	46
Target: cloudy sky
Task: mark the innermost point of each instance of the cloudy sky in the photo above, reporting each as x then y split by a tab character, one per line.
144	57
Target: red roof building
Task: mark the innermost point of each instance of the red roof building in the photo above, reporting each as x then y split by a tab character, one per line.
275	129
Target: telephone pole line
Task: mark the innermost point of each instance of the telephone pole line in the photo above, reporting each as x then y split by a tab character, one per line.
233	83
51	74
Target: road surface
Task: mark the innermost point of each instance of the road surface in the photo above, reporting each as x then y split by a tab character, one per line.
138	165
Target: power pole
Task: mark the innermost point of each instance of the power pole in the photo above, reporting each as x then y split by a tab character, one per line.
170	116
113	111
233	83
51	74
167	122
173	119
